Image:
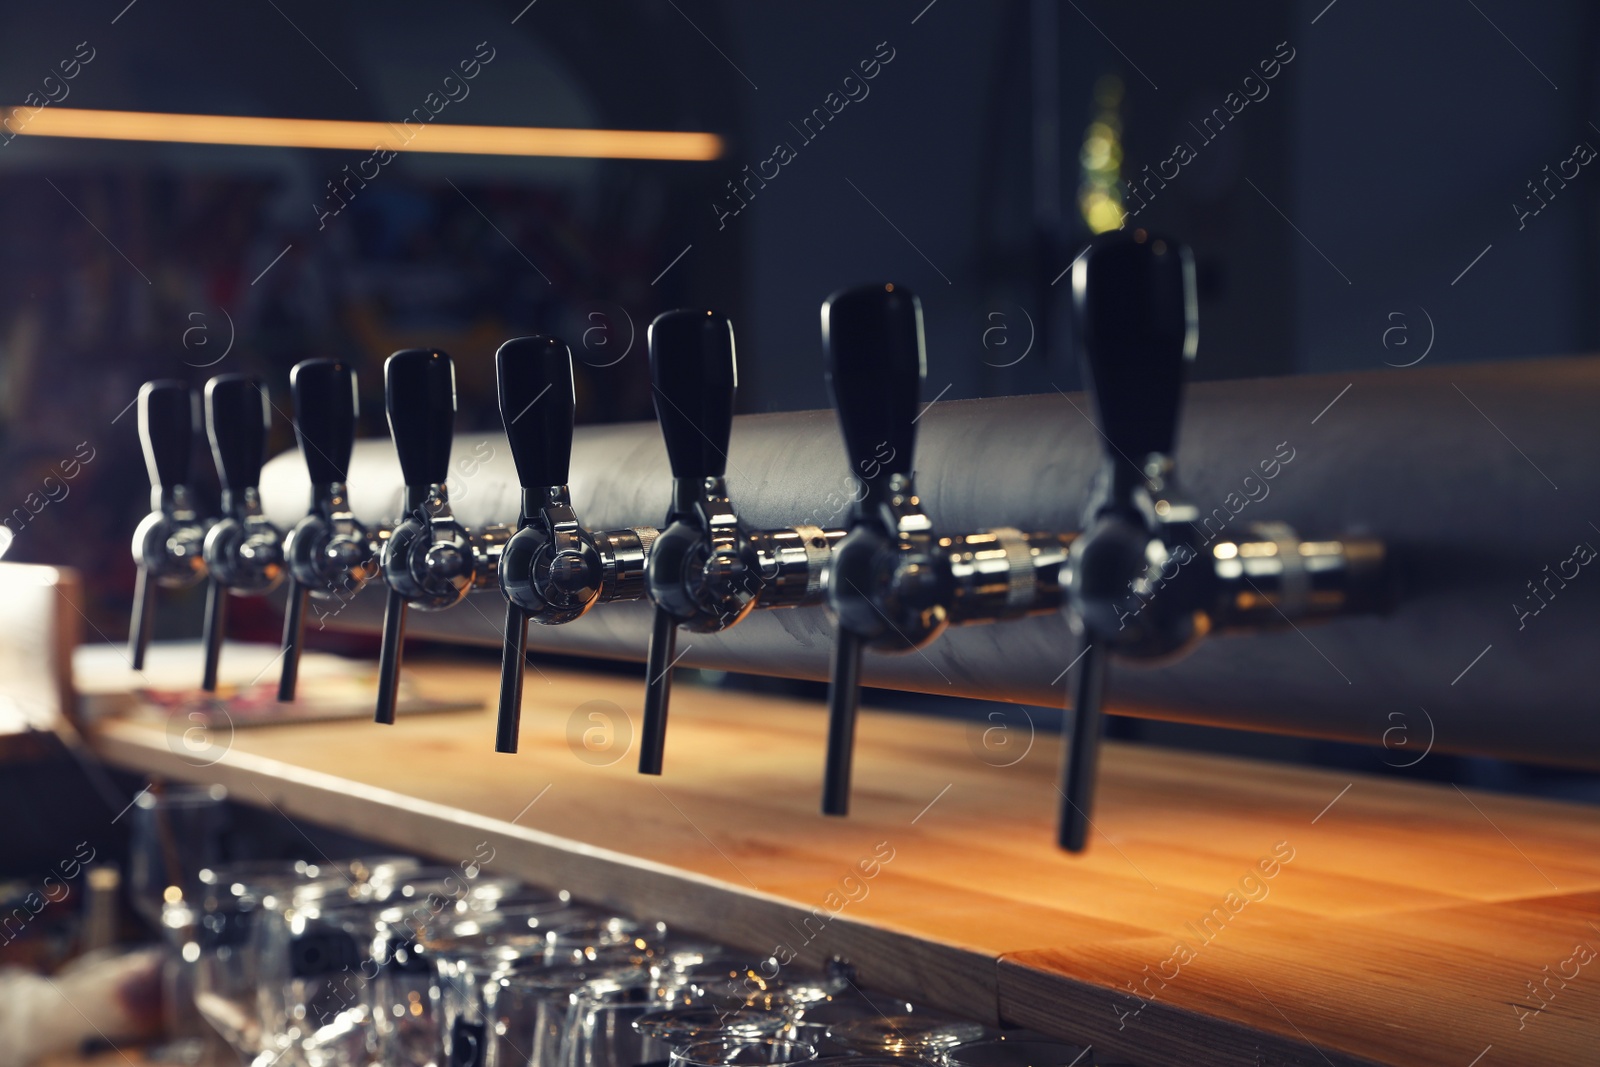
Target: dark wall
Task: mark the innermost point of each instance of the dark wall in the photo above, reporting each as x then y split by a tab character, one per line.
944	149
1329	217
1419	127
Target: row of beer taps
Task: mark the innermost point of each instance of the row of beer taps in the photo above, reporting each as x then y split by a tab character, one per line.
892	581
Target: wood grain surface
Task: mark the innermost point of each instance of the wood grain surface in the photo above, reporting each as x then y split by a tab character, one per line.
1227	911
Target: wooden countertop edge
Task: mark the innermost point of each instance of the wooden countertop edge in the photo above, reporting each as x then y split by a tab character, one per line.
1152	1032
948	977
993	982
973	984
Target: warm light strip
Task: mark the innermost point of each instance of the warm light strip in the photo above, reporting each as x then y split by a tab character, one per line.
366	136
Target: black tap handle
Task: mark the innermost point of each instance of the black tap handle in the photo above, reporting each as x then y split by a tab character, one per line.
659	660
325	410
693	371
1134	304
873	356
213	628
419	389
294	636
1081	756
144	617
1134	311
394	636
166	431
844	688
237	418
166	434
537	404
508	721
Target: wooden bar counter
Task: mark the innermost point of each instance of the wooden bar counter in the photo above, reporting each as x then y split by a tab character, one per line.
1227	911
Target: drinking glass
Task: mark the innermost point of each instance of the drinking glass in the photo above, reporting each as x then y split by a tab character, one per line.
175	833
295	948
405	1009
851	1003
730	981
589	938
919	1034
673	1028
327	999
225	961
680	954
816	1034
821	1019
428	955
508	933
226	945
459	979
1006	1051
451	891
526	1008
733	1052
853	1059
379	873
497	894
599	1029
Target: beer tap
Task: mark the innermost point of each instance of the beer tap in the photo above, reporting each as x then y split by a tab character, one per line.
886	588
242	550
553	569
329	553
167	543
707	570
1144	584
701	573
895	585
1133	295
429	561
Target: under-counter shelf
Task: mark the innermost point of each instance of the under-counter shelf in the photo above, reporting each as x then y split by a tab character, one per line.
1228	911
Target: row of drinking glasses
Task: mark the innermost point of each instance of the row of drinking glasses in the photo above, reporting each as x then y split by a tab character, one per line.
386	961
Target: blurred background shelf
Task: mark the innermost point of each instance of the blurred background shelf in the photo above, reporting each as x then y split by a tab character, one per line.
1326	917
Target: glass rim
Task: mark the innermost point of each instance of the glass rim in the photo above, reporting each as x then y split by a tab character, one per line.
419	885
559	979
716	977
683	952
267	874
887	1035
177	795
593	927
372	866
727	960
525	928
612	995
520	892
742	1022
699	1053
1014	1052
